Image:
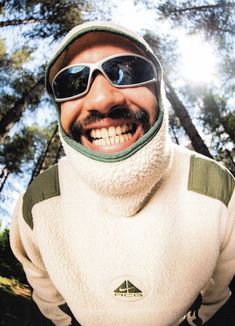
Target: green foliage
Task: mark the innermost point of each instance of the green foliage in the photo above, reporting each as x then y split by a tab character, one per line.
19	57
48	17
17	149
213	19
15	60
20	81
9	265
53	151
43	19
16	307
216	114
211	105
229	121
2	49
50	153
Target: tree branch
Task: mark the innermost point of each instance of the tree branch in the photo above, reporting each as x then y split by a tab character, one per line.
185	120
41	159
15	22
199	8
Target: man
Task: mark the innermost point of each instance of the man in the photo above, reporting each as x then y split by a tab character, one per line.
128	229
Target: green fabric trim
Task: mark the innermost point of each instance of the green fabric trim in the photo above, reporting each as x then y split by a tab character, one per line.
45	186
208	178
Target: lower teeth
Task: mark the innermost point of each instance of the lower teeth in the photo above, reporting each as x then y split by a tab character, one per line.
112	140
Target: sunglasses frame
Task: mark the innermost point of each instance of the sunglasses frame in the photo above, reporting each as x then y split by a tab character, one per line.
98	66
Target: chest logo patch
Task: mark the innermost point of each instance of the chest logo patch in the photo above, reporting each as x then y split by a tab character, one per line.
127	288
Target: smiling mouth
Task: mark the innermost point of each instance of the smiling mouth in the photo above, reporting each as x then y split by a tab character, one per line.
113	138
111	132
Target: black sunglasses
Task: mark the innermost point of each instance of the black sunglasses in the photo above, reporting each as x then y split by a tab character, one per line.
122	70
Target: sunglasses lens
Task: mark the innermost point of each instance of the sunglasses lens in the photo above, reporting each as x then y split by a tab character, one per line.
71	82
128	70
121	70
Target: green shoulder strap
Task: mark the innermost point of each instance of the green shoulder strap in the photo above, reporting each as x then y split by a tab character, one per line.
44	186
209	178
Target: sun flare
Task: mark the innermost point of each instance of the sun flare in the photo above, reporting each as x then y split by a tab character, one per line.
198	60
133	16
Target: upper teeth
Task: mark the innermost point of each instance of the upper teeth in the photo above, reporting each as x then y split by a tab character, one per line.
111	131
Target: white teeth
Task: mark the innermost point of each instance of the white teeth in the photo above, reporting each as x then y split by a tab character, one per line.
93	133
112	140
107	141
98	133
104	133
118	130
122	140
112	135
112	131
116	139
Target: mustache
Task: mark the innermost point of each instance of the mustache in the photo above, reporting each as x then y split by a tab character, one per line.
77	127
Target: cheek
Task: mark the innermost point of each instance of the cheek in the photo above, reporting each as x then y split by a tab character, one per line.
145	98
69	111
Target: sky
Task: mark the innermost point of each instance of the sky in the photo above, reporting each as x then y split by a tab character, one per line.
198	62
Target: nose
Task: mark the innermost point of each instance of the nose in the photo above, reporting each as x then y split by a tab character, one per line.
102	96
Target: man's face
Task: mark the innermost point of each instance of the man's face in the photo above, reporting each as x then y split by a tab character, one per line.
107	119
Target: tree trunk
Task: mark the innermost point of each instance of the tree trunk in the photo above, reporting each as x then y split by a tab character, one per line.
38	167
213	107
15	113
174	133
4	175
185	120
230	157
179	108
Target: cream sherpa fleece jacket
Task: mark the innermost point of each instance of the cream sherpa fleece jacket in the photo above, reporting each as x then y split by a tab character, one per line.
147	269
144	237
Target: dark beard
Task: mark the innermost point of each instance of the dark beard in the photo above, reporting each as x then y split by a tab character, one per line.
77	128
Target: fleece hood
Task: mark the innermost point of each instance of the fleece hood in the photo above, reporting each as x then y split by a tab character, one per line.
124	181
55	64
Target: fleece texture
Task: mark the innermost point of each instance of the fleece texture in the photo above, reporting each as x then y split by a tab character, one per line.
126	241
124	187
178	245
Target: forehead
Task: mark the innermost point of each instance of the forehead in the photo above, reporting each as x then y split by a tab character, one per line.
95	45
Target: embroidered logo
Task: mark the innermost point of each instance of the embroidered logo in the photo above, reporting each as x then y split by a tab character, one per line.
127	289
